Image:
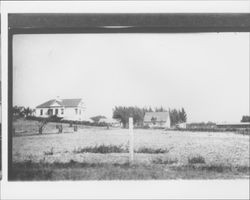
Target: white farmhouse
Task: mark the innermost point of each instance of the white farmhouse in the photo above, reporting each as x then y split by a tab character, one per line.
157	119
68	109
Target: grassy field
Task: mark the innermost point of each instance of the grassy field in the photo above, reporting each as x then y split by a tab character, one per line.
97	153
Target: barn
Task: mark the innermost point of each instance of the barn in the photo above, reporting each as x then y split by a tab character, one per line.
157	119
68	109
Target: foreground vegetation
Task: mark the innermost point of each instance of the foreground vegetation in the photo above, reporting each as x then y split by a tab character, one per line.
118	149
104	171
98	153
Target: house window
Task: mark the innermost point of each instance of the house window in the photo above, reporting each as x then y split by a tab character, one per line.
41	112
62	111
56	112
50	112
79	111
76	111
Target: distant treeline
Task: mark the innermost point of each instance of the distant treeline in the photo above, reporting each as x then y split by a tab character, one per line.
245	118
123	113
22	111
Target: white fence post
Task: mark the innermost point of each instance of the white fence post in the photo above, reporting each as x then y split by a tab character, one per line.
131	140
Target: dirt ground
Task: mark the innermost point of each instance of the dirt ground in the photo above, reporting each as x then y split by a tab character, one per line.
217	148
53	156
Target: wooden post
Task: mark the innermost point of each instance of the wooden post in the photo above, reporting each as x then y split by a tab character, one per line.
131	140
60	128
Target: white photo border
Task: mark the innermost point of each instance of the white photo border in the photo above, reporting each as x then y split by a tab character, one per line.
177	189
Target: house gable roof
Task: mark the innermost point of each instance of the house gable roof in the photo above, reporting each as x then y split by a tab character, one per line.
159	116
62	102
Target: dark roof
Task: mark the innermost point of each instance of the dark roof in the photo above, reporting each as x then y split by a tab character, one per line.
62	102
160	116
71	102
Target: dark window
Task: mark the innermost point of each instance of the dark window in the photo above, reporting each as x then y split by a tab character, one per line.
79	111
56	112
41	112
76	111
62	111
50	112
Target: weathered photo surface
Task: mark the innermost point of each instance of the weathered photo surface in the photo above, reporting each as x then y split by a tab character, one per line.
0	107
130	106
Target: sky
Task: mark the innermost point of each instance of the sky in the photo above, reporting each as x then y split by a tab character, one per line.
205	73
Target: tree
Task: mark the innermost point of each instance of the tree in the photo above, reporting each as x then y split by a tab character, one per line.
174	117
183	115
123	114
15	110
42	124
21	111
18	111
97	118
160	109
177	116
45	121
27	111
245	118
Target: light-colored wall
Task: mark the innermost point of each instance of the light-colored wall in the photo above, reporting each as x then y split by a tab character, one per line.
158	124
45	110
68	114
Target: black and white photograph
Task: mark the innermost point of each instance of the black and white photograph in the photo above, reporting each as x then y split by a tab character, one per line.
125	99
130	105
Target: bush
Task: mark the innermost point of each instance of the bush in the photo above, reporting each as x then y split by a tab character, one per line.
101	149
118	149
168	161
196	160
50	152
151	151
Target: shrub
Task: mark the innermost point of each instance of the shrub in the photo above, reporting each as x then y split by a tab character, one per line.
151	151
50	152
168	161
101	149
216	168
196	160
117	149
